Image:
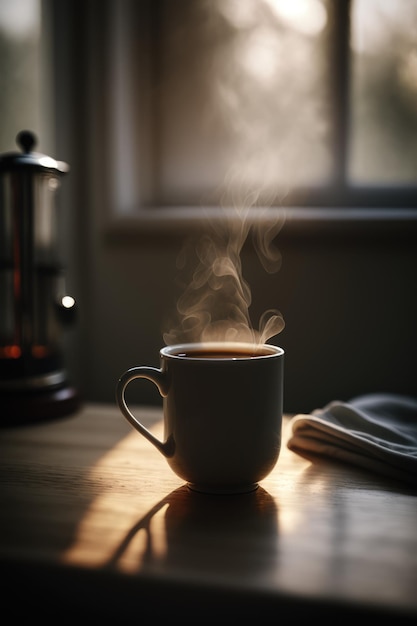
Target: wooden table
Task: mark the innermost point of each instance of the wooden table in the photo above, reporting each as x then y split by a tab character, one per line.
95	525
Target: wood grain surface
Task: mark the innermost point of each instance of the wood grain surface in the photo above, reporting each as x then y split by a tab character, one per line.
93	518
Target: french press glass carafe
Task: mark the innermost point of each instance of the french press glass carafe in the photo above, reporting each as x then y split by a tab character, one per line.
34	305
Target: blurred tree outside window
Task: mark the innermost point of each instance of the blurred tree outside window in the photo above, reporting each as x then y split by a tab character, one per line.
384	92
20	70
257	81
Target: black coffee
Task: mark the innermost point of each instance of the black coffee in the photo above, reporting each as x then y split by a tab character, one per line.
224	354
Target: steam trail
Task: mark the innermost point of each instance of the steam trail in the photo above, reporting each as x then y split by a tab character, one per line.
214	305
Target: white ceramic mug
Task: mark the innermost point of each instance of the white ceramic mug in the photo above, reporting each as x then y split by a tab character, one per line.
222	405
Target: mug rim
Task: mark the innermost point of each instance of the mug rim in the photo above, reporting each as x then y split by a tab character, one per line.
174	351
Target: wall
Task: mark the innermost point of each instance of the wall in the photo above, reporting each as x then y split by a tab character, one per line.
347	294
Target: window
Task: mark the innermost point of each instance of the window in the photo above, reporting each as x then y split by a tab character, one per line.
274	102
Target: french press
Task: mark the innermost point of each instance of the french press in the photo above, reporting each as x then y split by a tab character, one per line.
34	305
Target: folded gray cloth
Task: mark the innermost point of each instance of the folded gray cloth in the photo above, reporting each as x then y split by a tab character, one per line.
375	431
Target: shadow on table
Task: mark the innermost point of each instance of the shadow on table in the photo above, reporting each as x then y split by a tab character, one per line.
207	534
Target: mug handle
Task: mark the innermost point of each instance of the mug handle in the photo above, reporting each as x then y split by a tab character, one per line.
159	378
